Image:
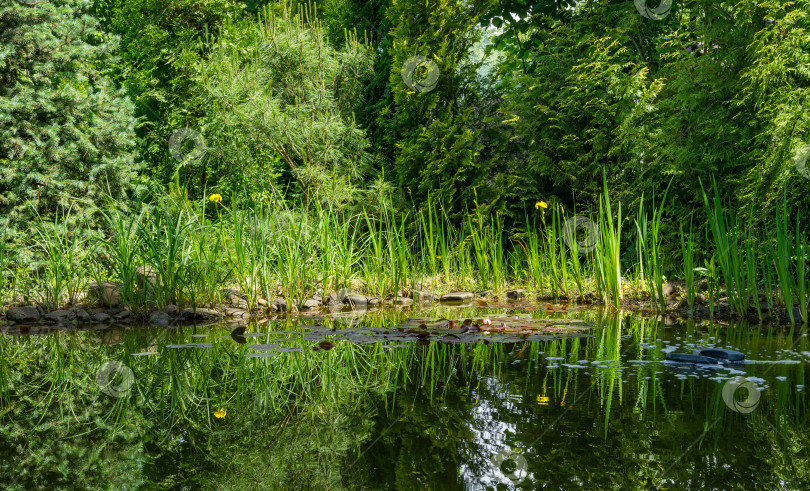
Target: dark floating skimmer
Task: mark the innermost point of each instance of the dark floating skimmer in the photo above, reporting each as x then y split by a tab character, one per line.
707	356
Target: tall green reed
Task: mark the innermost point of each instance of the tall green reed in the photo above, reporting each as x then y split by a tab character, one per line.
648	242
295	265
728	251
336	242
166	235
122	248
486	233
4	266
555	255
534	257
608	253
688	254
62	257
245	257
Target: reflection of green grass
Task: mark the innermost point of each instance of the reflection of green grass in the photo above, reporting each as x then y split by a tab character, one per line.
300	419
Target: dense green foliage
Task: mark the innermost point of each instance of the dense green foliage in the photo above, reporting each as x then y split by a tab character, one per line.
281	102
477	107
708	89
66	131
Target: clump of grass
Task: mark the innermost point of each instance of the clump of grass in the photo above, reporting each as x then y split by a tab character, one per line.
120	248
63	255
166	242
487	239
648	243
608	253
555	246
4	266
688	254
728	251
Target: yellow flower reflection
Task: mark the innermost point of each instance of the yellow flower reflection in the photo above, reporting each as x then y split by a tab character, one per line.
542	400
215	198
220	413
540	204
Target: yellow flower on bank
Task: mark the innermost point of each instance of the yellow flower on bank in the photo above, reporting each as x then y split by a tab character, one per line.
215	198
542	400
220	413
540	204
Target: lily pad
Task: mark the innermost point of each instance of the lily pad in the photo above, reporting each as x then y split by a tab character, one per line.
190	345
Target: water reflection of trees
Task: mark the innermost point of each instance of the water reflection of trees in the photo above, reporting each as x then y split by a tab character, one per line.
362	416
594	429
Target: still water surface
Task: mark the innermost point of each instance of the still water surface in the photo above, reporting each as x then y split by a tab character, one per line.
381	406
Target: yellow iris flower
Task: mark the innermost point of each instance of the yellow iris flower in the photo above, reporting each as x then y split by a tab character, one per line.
221	412
540	204
215	198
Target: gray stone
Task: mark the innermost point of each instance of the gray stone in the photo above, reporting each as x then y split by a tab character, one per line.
399	300
700	299
342	295
457	297
356	300
172	310
123	315
515	294
262	302
311	304
200	314
278	305
81	314
159	318
670	289
146	277
101	317
60	316
23	314
106	293
421	296
237	313
333	299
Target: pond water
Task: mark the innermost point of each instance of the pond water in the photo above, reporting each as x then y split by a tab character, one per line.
402	400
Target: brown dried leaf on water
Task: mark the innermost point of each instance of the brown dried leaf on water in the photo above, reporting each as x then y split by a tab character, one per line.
326	345
451	325
480	302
